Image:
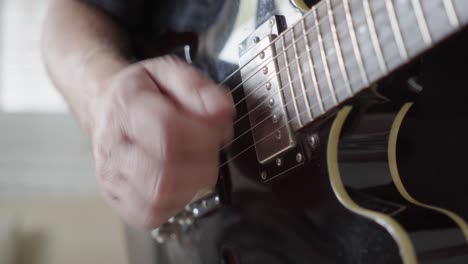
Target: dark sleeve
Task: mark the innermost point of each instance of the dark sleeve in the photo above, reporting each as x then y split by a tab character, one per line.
134	17
131	15
145	21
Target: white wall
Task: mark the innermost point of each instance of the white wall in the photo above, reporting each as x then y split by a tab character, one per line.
47	185
24	85
58	231
44	154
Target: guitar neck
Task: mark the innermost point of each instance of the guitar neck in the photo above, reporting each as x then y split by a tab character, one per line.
341	47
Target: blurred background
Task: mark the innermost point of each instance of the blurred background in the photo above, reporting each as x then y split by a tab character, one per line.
50	209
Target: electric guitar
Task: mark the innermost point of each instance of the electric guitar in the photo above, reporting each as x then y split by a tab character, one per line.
350	134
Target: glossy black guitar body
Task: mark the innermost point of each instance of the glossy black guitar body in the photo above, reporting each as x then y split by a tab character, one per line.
381	179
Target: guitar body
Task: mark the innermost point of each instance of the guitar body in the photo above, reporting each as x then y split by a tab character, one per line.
380	179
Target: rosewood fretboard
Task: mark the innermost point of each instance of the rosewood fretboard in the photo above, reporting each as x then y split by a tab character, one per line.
349	44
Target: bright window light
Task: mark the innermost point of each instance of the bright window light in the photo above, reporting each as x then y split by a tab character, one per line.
24	85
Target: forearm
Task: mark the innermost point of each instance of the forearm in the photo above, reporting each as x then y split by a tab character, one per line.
82	48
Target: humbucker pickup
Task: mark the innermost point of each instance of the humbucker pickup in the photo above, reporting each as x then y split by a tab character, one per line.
265	102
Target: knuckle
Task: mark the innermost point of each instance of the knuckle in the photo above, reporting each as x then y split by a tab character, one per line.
127	83
163	63
104	175
108	172
198	79
111	195
130	75
103	168
170	60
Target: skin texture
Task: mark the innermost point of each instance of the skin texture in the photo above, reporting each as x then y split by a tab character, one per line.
156	125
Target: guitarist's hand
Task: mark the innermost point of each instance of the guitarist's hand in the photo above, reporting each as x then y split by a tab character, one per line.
158	129
156	126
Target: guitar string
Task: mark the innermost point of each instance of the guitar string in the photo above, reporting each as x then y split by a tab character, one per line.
274	42
270	134
265	137
287	85
285	50
268	117
313	47
289	102
293	61
312	67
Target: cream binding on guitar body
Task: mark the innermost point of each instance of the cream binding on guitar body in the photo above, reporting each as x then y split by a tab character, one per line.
321	166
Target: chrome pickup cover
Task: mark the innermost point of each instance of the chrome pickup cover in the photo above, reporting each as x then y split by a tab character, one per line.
265	103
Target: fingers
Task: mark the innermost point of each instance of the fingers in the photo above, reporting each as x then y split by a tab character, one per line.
189	88
151	159
185	93
161	126
156	144
119	192
147	191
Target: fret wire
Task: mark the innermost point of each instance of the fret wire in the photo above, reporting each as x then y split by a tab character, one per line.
233	74
236	155
266	136
336	41
324	58
374	38
299	69
451	13
288	71
422	23
312	69
396	29
352	34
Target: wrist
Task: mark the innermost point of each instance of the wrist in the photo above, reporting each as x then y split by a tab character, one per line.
100	67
